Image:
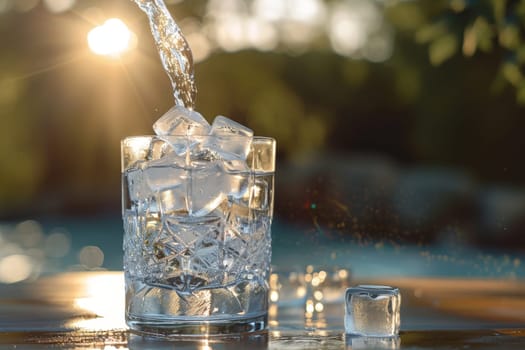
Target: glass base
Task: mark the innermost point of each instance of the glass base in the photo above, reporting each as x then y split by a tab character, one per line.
192	329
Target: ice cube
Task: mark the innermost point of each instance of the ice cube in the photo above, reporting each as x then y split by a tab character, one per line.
223	126
208	187
136	185
235	242
159	177
254	192
195	246
239	184
234	254
172	201
196	303
252	296
196	188
260	194
235	166
223	301
181	121
171	148
199	157
261	156
158	148
372	311
229	139
238	220
134	151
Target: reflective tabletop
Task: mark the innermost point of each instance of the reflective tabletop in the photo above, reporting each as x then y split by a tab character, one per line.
85	310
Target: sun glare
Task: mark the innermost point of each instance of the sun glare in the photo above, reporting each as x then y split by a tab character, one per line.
104	298
111	39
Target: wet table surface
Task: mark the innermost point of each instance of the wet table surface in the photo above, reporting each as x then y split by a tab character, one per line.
85	310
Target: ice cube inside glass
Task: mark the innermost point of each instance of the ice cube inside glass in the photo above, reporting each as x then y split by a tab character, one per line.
372	310
197	241
181	121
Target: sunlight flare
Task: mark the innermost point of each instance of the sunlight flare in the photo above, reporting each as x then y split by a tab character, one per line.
111	39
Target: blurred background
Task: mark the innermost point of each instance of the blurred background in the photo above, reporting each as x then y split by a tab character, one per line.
399	126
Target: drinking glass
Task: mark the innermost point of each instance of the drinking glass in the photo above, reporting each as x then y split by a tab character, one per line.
197	233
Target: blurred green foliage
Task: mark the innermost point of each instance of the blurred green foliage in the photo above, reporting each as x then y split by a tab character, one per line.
447	96
470	27
22	166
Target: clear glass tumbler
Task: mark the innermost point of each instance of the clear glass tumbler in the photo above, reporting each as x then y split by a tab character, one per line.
197	215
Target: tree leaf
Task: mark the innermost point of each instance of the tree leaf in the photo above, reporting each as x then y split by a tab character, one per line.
511	71
520	94
520	54
442	49
430	32
499	9
470	41
484	34
458	5
509	36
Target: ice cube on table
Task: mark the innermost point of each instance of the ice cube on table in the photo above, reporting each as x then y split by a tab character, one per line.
181	121
372	310
229	139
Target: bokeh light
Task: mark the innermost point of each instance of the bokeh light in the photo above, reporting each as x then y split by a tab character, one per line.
29	233
91	257
57	244
25	5
15	268
58	6
357	29
271	10
5	5
111	39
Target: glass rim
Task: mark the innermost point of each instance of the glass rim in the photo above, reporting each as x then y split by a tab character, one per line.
132	147
255	137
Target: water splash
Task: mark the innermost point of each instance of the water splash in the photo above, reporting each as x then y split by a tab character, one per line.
174	51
